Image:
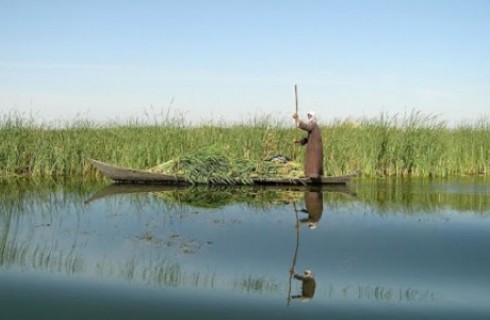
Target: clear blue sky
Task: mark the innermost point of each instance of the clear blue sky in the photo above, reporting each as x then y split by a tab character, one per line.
228	60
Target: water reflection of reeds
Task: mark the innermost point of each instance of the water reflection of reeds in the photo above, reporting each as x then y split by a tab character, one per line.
380	293
402	295
27	255
26	196
160	272
384	196
254	284
155	273
426	195
31	239
37	249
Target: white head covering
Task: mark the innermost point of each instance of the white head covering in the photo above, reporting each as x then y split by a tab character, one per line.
313	118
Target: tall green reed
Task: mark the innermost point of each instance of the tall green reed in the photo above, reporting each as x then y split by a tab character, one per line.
412	144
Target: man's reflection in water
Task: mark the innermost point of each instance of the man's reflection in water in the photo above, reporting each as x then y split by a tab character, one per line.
308	287
314	208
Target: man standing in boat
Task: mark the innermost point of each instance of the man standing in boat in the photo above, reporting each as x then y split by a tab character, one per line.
314	145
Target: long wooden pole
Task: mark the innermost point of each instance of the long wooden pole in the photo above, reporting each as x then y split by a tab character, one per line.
295	257
296	97
295	147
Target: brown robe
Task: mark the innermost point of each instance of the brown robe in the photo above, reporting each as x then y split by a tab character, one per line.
314	206
314	149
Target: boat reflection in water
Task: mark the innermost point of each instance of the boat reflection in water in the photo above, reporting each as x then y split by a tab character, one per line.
220	196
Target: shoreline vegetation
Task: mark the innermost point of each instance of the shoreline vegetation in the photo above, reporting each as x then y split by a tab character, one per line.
414	144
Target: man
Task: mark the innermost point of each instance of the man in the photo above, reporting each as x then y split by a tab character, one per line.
314	145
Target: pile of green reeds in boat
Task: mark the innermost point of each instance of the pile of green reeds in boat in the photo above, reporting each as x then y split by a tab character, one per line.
214	165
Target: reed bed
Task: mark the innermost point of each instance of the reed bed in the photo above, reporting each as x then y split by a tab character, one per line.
409	145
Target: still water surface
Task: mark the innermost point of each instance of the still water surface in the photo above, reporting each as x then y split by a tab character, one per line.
376	250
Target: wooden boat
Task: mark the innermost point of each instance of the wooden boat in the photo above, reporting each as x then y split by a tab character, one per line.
136	176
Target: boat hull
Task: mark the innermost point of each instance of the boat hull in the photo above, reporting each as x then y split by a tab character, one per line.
123	175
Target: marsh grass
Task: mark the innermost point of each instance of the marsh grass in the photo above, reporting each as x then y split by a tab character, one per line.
414	144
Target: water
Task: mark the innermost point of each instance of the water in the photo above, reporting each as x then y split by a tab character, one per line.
376	250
